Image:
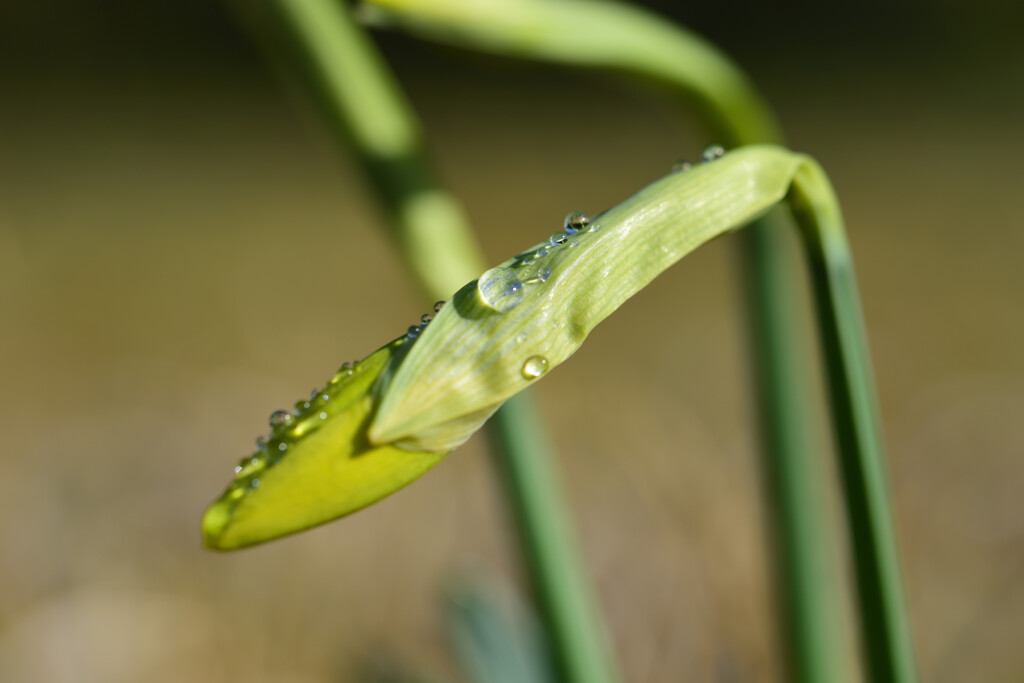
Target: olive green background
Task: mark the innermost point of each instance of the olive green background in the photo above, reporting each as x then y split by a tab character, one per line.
183	249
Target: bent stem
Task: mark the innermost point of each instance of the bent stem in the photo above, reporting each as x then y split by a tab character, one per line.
365	107
885	628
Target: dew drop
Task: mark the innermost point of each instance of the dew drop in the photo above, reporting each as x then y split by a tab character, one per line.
500	289
438	306
282	447
713	152
426	318
543	274
534	367
558	239
279	418
261	442
521	337
248	466
575	243
254	484
575	221
681	166
594	227
540	253
413	332
323	416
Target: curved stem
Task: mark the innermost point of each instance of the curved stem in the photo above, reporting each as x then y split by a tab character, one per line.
885	629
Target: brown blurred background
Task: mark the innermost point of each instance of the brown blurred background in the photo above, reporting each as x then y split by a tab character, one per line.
183	250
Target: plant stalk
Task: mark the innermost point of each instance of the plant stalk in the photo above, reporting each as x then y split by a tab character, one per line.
884	624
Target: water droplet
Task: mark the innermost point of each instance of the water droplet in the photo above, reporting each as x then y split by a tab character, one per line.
438	306
594	227
500	289
541	276
575	221
540	253
254	484
534	367
279	418
248	466
313	394
575	243
559	238
282	447
323	416
426	318
681	166
521	337
413	332
261	442
713	152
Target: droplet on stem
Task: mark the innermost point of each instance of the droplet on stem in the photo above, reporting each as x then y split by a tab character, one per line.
575	221
280	418
712	152
534	367
500	289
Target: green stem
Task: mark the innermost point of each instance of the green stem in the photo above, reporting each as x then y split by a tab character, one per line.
531	481
367	108
885	628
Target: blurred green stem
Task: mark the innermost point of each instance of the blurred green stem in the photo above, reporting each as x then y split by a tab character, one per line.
886	631
366	107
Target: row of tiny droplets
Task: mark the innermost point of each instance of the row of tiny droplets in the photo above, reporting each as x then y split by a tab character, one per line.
415	330
283	423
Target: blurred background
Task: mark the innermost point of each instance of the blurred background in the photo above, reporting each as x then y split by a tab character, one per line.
183	249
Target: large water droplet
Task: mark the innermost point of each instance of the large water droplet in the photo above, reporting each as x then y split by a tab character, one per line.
559	238
500	289
713	152
575	221
534	367
279	418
